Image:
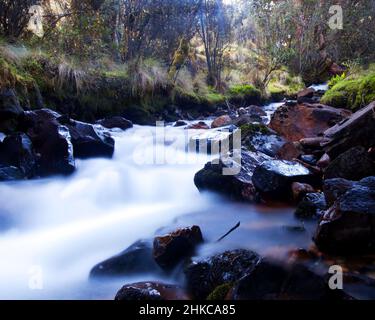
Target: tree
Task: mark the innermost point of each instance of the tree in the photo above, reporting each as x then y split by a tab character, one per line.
215	32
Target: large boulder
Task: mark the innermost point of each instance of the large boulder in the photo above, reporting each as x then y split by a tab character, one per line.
115	122
275	177
150	291
10	109
89	141
136	259
236	186
348	227
9	104
295	122
203	276
358	130
51	140
354	164
335	188
306	95
221	121
17	150
172	248
273	280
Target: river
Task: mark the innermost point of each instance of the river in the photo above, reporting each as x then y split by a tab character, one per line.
53	231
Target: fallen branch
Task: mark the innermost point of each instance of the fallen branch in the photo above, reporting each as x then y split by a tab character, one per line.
230	231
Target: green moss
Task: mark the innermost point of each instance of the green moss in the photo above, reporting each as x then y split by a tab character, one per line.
250	129
351	93
283	84
220	292
213	98
244	91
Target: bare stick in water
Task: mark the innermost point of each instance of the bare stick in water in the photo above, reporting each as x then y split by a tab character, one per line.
230	231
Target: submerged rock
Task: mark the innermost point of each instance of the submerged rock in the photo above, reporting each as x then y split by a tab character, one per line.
236	183
354	164
172	248
115	122
275	177
305	120
348	227
205	275
150	291
136	259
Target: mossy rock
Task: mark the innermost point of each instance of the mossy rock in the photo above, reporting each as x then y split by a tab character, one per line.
351	94
220	292
245	94
248	130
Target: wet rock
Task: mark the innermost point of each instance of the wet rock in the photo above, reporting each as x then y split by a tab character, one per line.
305	95
231	177
51	140
299	190
289	151
268	144
255	111
358	130
170	249
199	126
354	164
305	120
272	280
115	122
212	141
10	173
150	291
275	177
9	104
136	259
222	121
205	275
312	205
335	188
180	123
324	161
309	159
89	141
348	226
315	142
17	150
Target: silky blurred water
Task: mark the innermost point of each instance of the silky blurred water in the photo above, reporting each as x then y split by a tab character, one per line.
53	231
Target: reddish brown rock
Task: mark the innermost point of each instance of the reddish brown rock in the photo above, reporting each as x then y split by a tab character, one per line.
296	122
299	190
306	93
221	122
199	126
289	151
170	249
151	291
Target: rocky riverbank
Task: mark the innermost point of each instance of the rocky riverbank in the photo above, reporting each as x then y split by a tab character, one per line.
315	157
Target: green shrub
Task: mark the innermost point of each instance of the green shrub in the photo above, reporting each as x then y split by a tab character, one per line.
351	94
244	91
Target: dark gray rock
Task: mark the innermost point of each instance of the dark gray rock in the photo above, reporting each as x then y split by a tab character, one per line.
354	164
312	205
115	122
237	186
204	275
136	259
348	227
275	177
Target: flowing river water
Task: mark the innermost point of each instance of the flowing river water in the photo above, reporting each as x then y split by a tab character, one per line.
53	231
